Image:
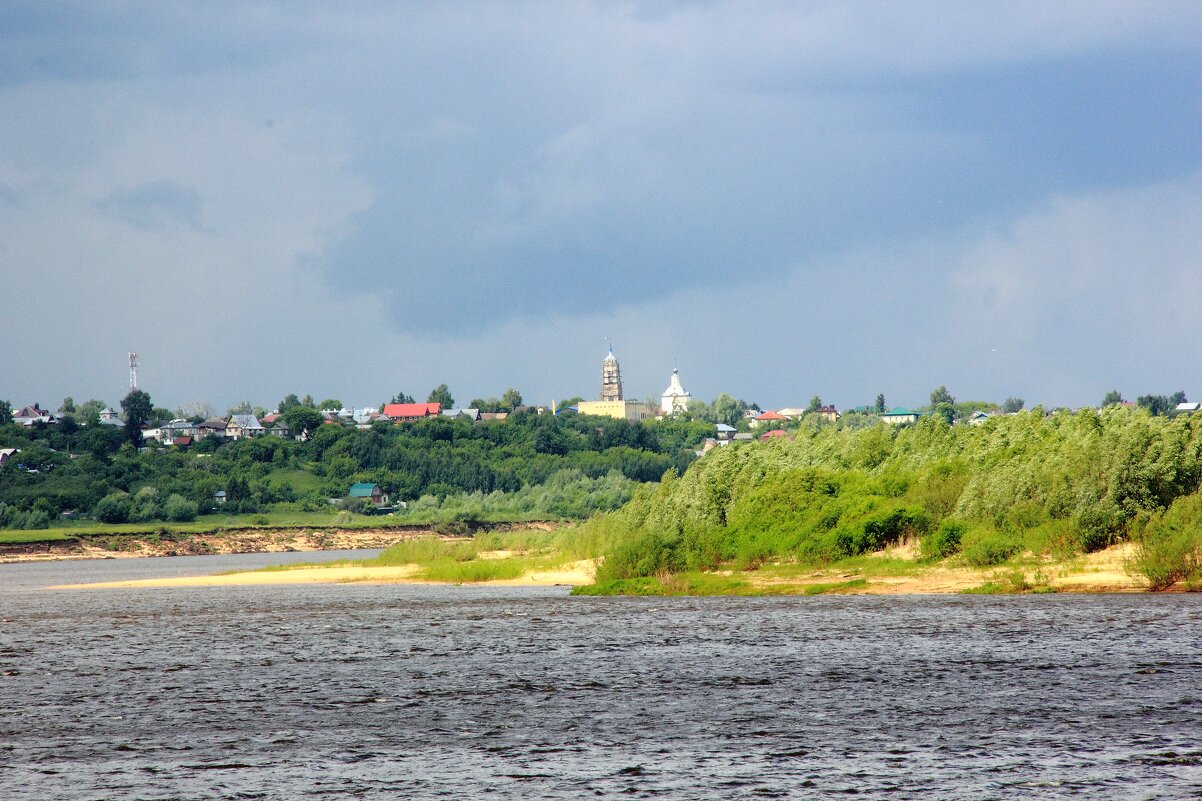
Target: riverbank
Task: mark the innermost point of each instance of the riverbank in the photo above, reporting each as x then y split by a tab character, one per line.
890	572
572	574
256	539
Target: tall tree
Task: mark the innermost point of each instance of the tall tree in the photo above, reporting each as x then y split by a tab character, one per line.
242	408
511	399
943	404
330	405
1013	405
302	420
288	402
728	409
1112	398
440	394
401	397
138	409
6	413
88	412
815	404
880	404
68	406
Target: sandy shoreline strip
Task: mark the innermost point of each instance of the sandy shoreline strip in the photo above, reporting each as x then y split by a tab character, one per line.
571	574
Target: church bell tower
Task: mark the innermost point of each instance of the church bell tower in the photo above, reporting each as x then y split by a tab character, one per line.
611	378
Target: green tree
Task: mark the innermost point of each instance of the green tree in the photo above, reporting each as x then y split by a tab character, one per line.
308	401
511	399
6	413
302	420
1013	405
943	404
815	404
290	400
879	406
440	394
1112	398
330	404
1157	405
728	409
138	409
401	397
242	408
88	413
68	406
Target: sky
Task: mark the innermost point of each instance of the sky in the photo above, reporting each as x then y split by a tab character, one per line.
353	200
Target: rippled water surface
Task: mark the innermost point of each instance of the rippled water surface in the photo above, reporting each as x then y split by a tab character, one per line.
393	691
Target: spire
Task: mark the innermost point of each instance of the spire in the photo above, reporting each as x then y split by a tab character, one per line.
611	377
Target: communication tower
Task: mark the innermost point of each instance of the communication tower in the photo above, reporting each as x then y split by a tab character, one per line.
133	370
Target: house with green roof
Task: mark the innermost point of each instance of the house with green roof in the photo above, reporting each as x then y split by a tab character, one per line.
899	415
371	492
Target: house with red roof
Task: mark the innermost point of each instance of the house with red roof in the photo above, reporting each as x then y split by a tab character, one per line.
407	412
769	417
773	434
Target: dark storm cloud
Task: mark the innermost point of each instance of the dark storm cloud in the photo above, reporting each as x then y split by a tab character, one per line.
786	198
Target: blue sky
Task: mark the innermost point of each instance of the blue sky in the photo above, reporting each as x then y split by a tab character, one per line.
784	199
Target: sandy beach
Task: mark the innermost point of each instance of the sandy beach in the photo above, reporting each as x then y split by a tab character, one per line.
576	573
1098	572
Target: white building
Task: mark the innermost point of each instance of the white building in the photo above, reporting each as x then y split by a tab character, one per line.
675	398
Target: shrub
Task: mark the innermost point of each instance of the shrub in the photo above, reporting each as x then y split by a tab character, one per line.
112	508
1171	548
944	541
647	555
179	509
985	547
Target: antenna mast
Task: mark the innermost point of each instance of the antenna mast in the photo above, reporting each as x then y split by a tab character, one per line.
133	370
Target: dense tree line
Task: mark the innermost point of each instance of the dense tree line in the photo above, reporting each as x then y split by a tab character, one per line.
96	470
1060	484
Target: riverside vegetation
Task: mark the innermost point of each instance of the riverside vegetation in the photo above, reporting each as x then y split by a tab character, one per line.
1015	497
1026	486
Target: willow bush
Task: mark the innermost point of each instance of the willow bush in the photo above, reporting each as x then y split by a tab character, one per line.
1061	483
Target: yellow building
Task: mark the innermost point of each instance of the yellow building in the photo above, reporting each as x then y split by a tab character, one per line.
617	409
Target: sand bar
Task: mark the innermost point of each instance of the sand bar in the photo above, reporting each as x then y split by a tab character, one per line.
571	574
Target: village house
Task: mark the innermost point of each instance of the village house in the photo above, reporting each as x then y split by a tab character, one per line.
828	413
243	426
899	415
28	415
278	428
408	412
371	492
466	414
767	418
214	426
773	434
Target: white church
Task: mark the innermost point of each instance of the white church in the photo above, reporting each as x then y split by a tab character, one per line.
675	398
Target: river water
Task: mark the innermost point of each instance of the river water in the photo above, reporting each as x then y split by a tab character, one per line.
395	691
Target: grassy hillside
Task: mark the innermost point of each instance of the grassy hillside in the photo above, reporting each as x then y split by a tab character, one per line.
1057	485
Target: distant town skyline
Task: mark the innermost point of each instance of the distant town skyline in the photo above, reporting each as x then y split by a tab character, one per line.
784	200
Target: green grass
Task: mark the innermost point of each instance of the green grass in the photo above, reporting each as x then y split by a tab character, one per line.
300	481
465	560
710	584
34	535
840	586
215	524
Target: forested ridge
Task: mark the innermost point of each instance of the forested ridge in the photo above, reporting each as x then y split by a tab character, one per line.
563	466
1045	484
